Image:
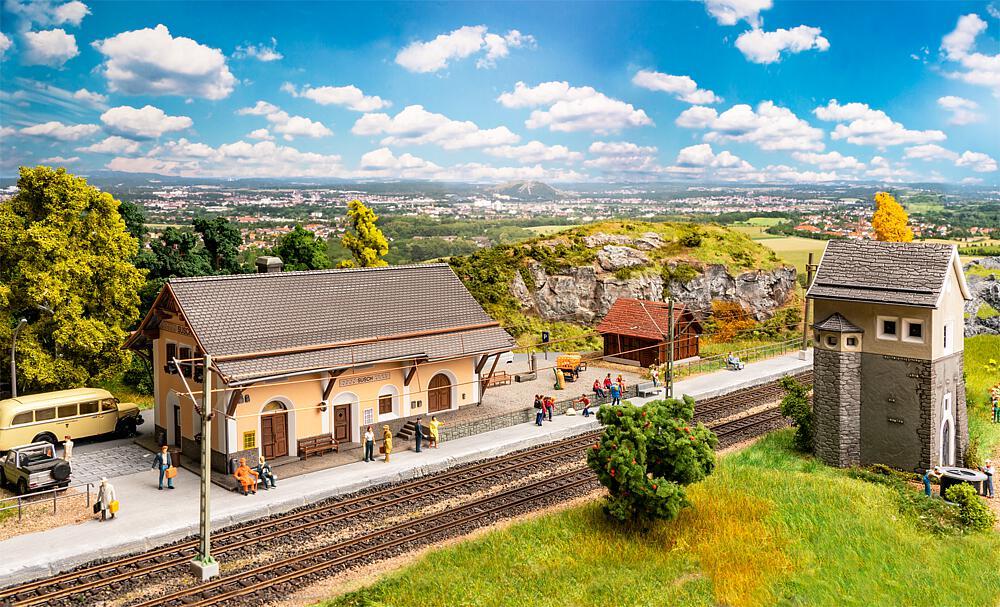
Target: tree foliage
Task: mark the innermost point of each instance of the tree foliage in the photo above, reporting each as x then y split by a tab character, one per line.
66	266
890	220
300	249
975	514
222	242
364	239
647	455
796	406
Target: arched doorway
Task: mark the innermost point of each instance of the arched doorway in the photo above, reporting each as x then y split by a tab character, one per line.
274	430
439	393
947	453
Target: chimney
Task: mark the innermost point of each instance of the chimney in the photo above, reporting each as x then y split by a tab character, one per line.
267	264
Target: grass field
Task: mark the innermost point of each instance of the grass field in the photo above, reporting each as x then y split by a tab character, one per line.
769	527
549	230
795	250
755	232
980	375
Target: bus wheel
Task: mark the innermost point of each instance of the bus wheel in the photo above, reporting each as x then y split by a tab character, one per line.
46	437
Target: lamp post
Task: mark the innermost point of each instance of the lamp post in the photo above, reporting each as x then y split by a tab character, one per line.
13	361
204	566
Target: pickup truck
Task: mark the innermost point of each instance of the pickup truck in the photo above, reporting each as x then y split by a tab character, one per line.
33	467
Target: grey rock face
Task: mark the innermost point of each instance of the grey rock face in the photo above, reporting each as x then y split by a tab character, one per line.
985	290
758	292
614	257
600	239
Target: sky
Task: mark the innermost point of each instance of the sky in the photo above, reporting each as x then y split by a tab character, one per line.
743	91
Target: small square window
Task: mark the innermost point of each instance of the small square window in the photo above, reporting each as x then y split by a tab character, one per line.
852	341
913	330
916	330
250	440
385	404
831	340
888	327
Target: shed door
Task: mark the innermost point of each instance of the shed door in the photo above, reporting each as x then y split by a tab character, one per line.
439	394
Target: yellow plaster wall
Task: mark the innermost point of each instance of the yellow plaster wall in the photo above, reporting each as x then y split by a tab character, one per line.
865	315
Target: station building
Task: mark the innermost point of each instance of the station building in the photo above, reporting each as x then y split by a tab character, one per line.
888	358
300	355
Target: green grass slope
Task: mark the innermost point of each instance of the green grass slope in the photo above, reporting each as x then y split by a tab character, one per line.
768	528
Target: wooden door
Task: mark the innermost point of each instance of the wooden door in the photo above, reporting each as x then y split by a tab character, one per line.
177	425
274	435
439	394
342	423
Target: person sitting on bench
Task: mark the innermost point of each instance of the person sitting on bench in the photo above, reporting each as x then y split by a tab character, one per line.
246	476
265	474
733	362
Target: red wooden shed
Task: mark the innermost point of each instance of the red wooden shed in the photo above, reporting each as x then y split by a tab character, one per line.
636	331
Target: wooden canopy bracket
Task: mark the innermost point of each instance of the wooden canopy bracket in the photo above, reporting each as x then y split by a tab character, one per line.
486	380
331	383
409	375
482	363
234	400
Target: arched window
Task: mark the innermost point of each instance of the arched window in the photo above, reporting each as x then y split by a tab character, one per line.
388	401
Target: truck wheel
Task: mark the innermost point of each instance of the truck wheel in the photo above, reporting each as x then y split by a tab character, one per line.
126	428
46	437
22	487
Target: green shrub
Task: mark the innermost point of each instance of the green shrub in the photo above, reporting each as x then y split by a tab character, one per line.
682	273
975	514
796	406
692	237
974	454
139	376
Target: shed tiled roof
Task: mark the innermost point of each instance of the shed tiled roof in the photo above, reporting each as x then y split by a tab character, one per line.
906	273
836	323
298	321
646	319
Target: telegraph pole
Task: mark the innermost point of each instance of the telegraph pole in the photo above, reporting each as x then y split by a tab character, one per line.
204	566
668	378
810	268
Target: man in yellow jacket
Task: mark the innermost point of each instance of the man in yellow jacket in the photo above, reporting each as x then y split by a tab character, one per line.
386	441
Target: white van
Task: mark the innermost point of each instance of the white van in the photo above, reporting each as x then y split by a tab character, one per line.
50	416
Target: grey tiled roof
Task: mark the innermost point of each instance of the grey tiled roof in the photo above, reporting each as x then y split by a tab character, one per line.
904	273
297	313
838	324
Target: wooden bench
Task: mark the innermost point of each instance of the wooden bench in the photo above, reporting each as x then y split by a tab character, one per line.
647	389
317	445
500	378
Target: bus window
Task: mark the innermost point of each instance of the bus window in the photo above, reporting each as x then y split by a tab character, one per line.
108	404
44	415
88	408
67	411
23	418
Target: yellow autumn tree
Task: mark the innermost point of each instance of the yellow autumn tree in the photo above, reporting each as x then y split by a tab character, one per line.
890	221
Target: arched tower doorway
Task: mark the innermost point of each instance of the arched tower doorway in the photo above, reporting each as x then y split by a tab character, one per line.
439	393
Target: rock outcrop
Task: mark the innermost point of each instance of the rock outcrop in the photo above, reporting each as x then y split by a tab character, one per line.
584	294
985	291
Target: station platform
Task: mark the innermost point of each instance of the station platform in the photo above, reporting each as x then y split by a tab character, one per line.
149	517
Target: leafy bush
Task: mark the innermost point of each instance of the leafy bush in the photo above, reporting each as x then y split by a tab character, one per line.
682	273
139	376
647	455
975	514
796	406
692	237
728	320
974	454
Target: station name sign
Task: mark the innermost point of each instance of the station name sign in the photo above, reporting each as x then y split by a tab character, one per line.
355	380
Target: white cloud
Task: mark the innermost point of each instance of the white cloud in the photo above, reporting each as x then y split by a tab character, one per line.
112	145
683	88
8	131
49	47
829	161
865	126
760	46
976	68
60	160
260	52
434	55
47	12
95	99
534	152
416	126
60	131
977	161
261	134
573	108
348	96
623	157
289	126
930	151
883	170
963	111
702	156
730	12
152	62
382	162
5	44
142	165
769	127
147	121
781	172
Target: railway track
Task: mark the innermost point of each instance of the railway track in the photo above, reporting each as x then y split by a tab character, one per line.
721	407
125	570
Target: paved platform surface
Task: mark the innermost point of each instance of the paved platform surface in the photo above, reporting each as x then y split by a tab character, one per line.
115	461
149	517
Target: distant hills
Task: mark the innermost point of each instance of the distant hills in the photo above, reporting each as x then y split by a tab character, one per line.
527	190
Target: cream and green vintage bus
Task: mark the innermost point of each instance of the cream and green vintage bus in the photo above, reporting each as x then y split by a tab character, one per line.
50	416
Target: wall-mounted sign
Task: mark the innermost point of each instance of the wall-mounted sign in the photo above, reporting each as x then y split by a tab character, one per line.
364	379
894	420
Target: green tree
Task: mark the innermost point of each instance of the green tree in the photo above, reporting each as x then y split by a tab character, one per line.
222	241
135	220
66	266
647	455
795	405
178	252
364	240
300	249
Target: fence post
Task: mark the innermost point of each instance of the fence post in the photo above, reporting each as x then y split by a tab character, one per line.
19	509
54	501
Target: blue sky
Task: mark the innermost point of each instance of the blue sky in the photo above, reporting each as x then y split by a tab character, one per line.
720	90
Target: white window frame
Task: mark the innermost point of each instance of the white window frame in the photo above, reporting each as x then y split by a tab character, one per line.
388	390
907	323
948	337
887	336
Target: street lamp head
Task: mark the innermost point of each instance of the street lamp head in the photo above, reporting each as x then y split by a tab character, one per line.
22	322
